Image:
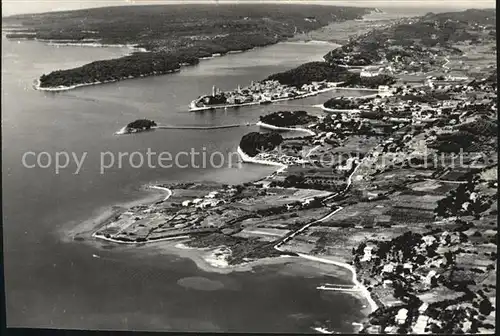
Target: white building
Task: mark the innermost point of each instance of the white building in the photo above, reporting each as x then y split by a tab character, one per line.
419	327
389	268
423	308
430	276
368	253
402	316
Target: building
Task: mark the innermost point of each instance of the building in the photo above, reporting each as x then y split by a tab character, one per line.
421	324
388	268
402	316
423	308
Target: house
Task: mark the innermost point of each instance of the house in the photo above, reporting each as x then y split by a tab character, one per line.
430	276
388	268
423	308
408	266
421	324
197	200
402	316
390	329
367	253
429	240
212	194
386	283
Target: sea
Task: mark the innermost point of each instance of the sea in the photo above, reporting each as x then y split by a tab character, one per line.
55	282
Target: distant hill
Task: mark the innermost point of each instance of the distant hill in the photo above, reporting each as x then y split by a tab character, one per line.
174	34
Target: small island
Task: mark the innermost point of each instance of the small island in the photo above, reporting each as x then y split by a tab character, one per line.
139	125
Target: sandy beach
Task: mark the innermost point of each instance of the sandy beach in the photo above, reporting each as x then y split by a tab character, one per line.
284	129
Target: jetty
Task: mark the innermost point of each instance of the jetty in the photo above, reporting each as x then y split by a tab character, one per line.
202	127
174	127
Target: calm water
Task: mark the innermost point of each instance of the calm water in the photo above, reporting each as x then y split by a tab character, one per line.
51	282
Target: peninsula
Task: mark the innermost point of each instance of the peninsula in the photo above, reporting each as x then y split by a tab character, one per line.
306	80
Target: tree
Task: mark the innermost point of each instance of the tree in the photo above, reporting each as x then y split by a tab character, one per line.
485	307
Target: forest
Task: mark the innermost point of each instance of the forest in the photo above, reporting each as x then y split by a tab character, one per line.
173	34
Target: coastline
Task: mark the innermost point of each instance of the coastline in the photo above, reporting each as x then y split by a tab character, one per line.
248	159
204	259
37	83
123	130
83	230
326	109
240	207
357	284
133	48
286	129
193	108
92	44
211	260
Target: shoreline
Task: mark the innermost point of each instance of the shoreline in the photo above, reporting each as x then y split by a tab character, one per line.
194	108
208	260
205	259
92	44
285	129
248	159
36	84
357	284
123	130
199	256
134	49
84	229
326	109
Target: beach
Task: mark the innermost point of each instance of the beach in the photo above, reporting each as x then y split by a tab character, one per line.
284	129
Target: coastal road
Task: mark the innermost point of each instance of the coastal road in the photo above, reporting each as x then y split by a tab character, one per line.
358	286
445	181
305	227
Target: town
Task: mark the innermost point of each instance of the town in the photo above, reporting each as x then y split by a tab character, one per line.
258	93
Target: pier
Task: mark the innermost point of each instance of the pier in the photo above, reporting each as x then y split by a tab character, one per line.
340	288
202	127
173	127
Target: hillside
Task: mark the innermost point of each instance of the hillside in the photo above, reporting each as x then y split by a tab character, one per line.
173	34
